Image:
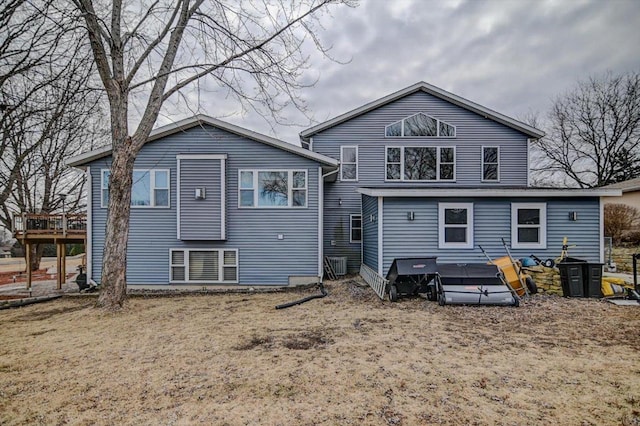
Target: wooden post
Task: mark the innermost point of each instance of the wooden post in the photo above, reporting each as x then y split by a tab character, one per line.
27	259
58	266
64	263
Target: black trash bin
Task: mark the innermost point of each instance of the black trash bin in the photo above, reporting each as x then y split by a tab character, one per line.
593	279
572	277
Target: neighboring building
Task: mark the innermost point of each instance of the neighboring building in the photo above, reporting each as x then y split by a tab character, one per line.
630	193
213	203
421	172
425	172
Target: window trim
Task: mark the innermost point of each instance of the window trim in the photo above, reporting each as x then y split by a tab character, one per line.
543	225
351	228
438	121
342	147
442	244
290	188
152	188
483	163
438	148
220	266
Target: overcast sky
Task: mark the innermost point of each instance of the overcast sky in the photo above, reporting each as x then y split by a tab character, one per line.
511	56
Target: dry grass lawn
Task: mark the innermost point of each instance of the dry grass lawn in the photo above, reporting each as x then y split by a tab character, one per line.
345	359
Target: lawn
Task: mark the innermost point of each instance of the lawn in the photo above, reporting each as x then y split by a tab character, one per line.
346	359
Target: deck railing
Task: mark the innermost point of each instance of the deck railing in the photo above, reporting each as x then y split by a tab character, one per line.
49	224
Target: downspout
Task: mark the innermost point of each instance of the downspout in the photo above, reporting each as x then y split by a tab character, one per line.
321	219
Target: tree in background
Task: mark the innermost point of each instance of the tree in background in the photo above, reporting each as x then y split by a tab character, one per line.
48	111
619	218
593	135
146	52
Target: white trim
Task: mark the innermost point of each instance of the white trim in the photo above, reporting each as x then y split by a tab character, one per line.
469	227
542	227
342	162
437	135
320	220
528	162
380	232
178	198
601	230
199	120
402	178
311	145
89	246
487	192
152	188
351	216
221	266
201	156
482	163
362	236
435	91
223	198
290	188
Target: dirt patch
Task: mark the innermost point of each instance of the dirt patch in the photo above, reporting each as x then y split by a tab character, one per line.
348	358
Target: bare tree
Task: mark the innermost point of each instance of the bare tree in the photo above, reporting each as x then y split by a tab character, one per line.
149	51
594	132
47	109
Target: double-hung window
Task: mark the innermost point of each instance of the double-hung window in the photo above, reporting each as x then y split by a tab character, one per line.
529	225
272	189
355	228
150	188
420	163
203	266
490	163
348	163
455	228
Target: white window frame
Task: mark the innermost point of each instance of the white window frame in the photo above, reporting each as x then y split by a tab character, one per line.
351	228
221	266
542	226
469	226
483	163
290	188
437	179
342	162
438	121
152	188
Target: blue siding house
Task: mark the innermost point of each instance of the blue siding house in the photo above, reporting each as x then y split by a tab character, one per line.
424	172
213	203
420	172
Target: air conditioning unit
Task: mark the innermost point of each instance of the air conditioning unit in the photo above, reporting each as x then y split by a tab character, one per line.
339	265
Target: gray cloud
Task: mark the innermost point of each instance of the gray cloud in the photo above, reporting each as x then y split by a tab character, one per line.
512	56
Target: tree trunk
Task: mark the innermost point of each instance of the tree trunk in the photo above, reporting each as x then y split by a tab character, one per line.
113	282
37	250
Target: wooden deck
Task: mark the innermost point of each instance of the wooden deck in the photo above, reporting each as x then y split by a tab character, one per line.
58	229
51	227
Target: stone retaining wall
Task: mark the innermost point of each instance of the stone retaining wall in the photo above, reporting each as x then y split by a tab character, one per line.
547	279
622	258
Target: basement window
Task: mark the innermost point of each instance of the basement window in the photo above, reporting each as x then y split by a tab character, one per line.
204	266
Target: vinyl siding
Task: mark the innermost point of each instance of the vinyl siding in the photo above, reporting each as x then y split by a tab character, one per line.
200	219
492	221
263	259
370	231
367	132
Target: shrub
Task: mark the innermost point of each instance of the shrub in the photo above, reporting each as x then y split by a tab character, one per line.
619	218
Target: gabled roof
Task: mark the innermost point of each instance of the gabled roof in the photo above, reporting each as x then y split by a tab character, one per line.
626	186
432	90
199	120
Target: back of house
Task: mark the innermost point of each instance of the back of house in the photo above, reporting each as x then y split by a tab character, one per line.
213	203
424	172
